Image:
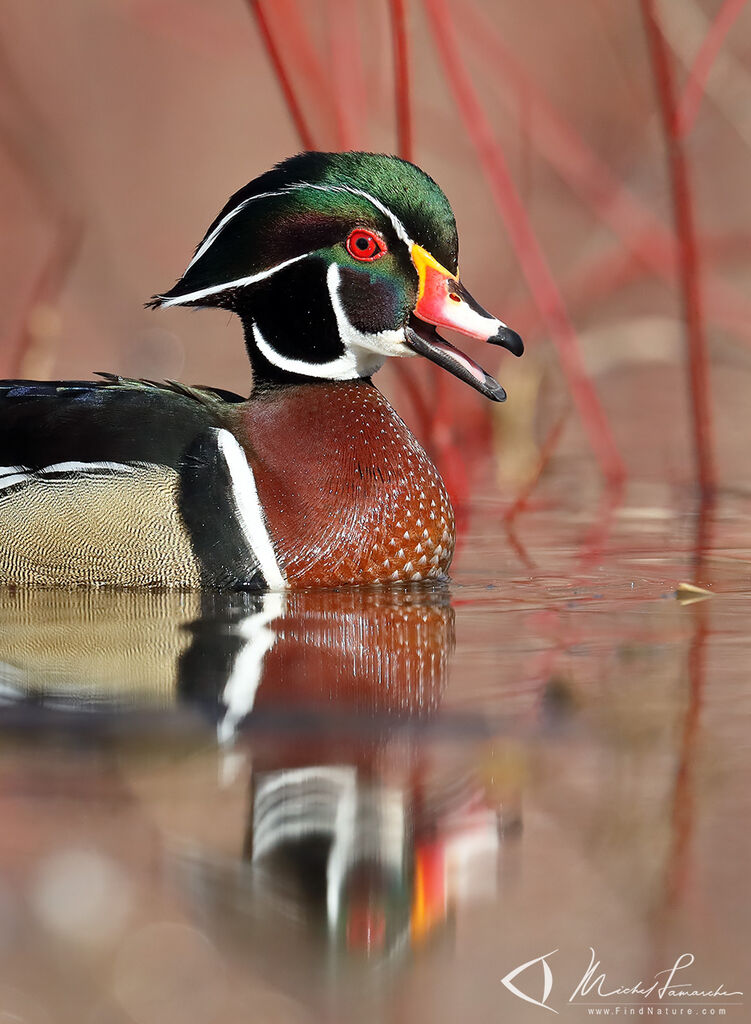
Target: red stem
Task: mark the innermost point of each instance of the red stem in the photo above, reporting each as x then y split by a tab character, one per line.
294	108
698	360
534	266
693	93
546	452
641	231
400	42
47	286
347	73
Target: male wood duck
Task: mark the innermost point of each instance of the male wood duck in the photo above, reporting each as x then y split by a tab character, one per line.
333	262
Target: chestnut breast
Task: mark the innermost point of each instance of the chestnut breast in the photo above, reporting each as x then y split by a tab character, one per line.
348	493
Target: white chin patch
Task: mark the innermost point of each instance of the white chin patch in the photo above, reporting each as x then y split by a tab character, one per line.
364	353
349	366
365	346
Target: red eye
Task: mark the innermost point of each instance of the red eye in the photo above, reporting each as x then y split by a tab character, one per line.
365	245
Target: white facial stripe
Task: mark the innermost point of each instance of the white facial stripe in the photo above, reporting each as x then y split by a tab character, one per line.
239	283
211	238
349	366
395	222
249	513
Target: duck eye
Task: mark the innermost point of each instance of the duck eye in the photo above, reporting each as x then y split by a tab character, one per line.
365	245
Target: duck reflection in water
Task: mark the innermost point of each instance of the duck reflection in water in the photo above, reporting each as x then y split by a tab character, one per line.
366	818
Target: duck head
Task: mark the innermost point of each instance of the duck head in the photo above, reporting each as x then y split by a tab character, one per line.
335	261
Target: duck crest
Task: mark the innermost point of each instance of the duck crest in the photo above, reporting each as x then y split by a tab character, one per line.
347	491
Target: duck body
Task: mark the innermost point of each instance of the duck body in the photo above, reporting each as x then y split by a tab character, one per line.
333	262
129	483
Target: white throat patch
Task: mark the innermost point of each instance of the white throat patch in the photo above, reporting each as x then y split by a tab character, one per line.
364	353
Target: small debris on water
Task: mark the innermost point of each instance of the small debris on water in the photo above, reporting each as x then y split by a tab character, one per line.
689	593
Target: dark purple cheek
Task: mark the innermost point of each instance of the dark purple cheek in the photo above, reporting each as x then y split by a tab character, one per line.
373	302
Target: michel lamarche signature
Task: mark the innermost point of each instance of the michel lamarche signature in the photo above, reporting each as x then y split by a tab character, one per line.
665	986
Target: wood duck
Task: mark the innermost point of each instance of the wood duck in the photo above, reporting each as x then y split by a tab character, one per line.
333	262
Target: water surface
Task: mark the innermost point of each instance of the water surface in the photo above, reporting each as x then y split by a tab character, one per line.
375	805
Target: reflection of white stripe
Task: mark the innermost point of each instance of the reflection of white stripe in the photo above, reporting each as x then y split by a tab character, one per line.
211	238
248	507
240	282
11	475
247	671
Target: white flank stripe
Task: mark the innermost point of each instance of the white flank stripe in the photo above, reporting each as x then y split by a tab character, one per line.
179	300
10	475
249	511
9	481
211	238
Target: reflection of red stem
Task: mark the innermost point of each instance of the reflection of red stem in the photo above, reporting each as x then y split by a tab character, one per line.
698	361
401	78
294	108
534	266
693	93
684	789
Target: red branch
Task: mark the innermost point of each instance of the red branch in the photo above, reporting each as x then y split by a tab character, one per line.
641	231
400	42
293	106
534	266
698	361
693	93
47	286
546	451
347	73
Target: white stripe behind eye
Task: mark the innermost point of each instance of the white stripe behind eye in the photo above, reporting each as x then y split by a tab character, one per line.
249	513
240	282
251	279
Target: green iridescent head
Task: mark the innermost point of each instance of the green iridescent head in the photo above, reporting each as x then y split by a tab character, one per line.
335	261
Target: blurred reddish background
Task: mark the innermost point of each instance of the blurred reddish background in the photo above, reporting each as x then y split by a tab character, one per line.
597	155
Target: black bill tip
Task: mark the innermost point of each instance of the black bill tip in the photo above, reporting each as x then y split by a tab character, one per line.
508	339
